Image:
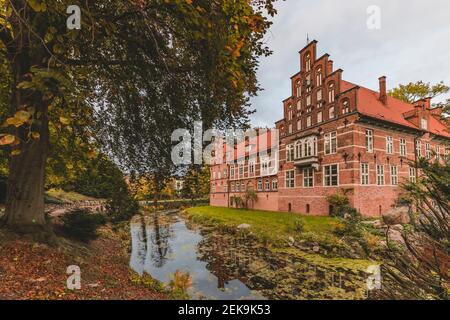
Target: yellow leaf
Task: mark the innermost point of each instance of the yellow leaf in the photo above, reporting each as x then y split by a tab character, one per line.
22	115
7	139
64	120
35	135
16	152
91	154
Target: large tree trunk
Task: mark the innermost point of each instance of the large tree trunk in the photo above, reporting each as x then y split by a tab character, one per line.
25	210
25	197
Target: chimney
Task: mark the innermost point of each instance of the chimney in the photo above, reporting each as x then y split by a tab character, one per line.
330	67
383	93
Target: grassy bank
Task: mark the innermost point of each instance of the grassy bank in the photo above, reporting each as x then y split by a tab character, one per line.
273	227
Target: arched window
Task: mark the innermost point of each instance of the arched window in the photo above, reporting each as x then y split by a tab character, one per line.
308	62
331	92
319	77
298	88
345	106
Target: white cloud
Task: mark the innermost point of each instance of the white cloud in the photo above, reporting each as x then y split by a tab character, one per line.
412	44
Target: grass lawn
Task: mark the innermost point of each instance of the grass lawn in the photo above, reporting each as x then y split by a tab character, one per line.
67	196
273	226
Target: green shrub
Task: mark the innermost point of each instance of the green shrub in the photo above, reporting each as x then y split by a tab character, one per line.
82	225
299	225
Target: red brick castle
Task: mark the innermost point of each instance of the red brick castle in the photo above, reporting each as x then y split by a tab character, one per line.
335	135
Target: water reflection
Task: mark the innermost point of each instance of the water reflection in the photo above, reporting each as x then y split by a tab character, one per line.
162	245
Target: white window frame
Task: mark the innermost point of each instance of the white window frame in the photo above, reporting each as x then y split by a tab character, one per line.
330	176
267	185
394	175
389	145
403	150
308	178
369	140
412	174
330	143
380	175
275	184
365	173
289	180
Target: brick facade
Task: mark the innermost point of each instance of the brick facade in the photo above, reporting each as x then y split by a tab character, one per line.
337	135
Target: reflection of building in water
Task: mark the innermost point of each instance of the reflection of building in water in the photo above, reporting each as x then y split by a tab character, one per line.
224	262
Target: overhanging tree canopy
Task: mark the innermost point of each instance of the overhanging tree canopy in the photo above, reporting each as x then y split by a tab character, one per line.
135	71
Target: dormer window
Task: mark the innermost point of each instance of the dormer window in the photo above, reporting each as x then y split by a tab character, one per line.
346	107
424	124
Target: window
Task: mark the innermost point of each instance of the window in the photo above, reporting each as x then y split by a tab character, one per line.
308	177
389	145
319	117
299	125
364	173
369	140
438	153
213	188
331	175
402	147
298	149
251	168
225	172
394	176
330	143
232	187
232	172
299	88
331	93
299	105
346	107
290	114
259	185
380	175
424	124
308	121
241	170
267	185
428	151
310	147
319	77
412	174
290	128
265	167
290	179
331	113
275	184
237	186
243	187
319	95
219	175
225	188
418	148
308	100
308	62
290	153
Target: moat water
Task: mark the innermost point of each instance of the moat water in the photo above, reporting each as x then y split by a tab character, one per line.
165	244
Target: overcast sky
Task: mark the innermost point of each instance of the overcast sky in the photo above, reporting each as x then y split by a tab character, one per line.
413	44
